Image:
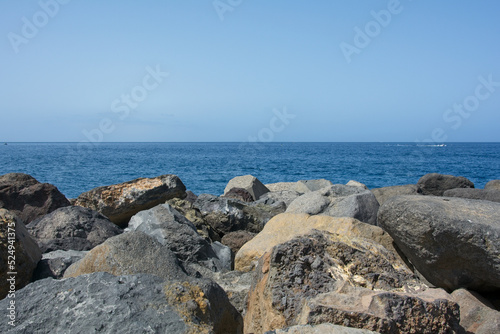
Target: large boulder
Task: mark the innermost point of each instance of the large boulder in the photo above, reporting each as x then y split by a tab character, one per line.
338	201
29	199
249	183
173	230
492	185
453	242
128	254
285	196
436	184
55	263
104	303
472	193
72	228
19	254
121	201
329	278
240	194
301	187
477	315
287	226
226	215
384	193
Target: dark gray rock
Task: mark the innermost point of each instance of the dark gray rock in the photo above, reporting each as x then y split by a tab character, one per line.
72	228
240	194
27	198
226	215
454	243
436	184
128	254
19	253
471	193
119	202
104	303
338	201
55	263
175	231
384	193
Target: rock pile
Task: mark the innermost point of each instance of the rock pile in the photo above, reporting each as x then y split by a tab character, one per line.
291	257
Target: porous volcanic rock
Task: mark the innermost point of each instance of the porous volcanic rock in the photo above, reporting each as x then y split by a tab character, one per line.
328	278
29	199
121	201
72	228
289	225
453	242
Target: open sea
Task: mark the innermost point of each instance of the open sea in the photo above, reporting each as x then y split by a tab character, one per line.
207	167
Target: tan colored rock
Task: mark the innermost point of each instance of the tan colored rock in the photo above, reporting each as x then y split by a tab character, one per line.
286	226
248	182
384	193
353	183
282	186
477	315
21	257
121	201
493	185
344	280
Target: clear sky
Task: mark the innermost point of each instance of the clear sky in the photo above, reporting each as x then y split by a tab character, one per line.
238	70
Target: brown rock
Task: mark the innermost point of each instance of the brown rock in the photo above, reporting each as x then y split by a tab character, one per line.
19	253
235	240
121	201
329	278
29	199
493	184
286	226
477	315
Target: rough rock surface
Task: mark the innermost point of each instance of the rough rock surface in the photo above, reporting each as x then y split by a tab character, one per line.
104	303
173	230
287	226
72	228
55	263
249	183
29	199
121	201
240	194
384	193
320	329
235	240
329	278
285	196
493	184
226	215
18	252
436	184
471	193
453	242
338	201
127	254
477	315
187	209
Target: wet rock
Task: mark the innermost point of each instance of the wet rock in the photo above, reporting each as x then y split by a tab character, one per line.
436	184
119	202
72	228
453	242
27	198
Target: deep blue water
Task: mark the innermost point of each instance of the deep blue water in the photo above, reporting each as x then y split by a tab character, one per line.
207	167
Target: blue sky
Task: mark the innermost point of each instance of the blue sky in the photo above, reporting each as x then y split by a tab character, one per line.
243	70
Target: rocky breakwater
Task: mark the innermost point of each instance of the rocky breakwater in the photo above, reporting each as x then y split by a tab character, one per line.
323	266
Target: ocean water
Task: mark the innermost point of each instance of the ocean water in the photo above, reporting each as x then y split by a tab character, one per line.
207	167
